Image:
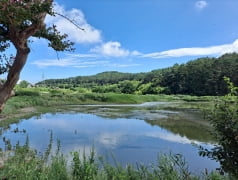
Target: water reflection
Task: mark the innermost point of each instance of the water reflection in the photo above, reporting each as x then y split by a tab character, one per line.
169	115
130	140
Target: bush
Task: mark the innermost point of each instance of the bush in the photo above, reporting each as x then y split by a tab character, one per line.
27	92
224	120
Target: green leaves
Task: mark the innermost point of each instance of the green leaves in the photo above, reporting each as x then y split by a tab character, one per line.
5	63
23	10
19	20
23	16
57	41
224	120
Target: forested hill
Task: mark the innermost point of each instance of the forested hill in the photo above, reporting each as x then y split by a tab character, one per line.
105	78
203	76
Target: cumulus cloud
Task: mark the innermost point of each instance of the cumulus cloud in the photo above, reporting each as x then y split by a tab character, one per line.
89	35
111	49
201	4
196	51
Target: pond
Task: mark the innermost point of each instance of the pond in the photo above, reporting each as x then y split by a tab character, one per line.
129	133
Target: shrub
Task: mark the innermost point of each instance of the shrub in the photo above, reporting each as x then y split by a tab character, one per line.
27	92
224	120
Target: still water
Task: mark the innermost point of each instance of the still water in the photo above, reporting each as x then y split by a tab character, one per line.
128	138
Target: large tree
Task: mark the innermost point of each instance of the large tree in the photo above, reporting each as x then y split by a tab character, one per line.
19	21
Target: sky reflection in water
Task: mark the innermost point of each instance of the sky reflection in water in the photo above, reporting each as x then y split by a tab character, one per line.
129	140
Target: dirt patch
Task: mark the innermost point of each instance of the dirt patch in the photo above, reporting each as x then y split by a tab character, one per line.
20	113
28	110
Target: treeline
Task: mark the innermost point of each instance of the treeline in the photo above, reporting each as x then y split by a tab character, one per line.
204	76
105	78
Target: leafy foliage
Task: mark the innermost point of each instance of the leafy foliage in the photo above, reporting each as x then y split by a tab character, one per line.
19	21
205	76
23	84
22	19
224	119
5	63
56	40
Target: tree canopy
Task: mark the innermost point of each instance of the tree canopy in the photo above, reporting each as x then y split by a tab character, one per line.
19	21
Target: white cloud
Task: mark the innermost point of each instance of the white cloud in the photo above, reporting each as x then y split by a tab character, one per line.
81	61
89	35
100	56
196	51
116	65
110	48
69	61
113	49
53	62
82	55
136	53
201	4
109	138
168	136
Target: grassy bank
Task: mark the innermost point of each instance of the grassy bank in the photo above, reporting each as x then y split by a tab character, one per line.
30	101
45	97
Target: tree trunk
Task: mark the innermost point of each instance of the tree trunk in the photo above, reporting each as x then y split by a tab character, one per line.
13	75
18	31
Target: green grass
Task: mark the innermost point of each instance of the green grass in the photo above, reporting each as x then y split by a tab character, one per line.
46	99
49	97
34	97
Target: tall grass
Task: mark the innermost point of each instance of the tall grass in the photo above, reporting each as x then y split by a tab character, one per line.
23	163
26	97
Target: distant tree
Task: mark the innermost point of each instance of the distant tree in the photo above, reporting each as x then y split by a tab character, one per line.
23	84
20	20
149	88
203	76
127	87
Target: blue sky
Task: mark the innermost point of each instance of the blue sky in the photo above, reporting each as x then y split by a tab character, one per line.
134	36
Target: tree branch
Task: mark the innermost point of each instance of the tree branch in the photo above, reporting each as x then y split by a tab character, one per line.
68	19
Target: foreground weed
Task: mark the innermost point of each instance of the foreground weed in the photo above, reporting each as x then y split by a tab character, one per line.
84	168
23	163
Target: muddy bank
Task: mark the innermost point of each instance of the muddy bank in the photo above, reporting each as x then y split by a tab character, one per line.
20	113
